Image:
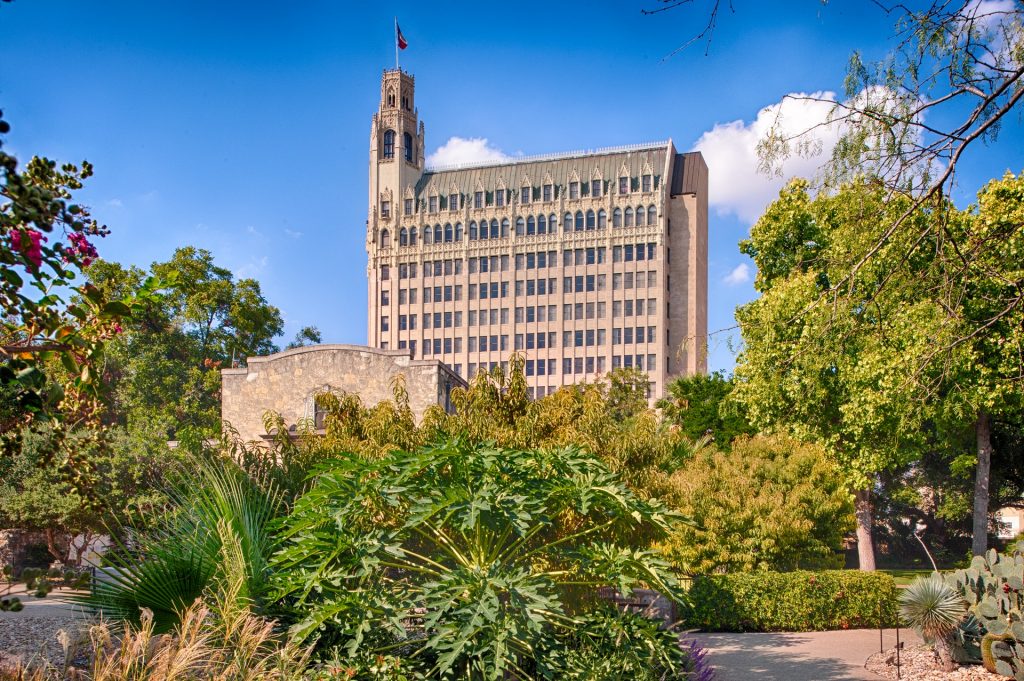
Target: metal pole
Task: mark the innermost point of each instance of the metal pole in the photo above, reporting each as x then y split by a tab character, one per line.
396	43
898	646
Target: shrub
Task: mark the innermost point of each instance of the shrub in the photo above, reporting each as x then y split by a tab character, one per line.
792	601
771	503
472	558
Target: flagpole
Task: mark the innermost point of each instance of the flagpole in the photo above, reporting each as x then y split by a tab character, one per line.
396	43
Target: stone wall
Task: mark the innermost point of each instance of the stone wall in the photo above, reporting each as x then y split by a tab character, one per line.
286	383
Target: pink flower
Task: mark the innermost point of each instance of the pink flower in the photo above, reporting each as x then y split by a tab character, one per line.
29	244
80	245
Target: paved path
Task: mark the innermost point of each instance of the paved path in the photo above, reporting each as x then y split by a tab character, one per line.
814	656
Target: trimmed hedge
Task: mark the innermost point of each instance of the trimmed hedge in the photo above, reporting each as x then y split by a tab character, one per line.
792	601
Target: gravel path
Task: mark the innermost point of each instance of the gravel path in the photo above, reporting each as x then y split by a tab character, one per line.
33	632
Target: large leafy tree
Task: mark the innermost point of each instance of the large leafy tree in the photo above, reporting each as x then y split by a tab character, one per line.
165	367
700	405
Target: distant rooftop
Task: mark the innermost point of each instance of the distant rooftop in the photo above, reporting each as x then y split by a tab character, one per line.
540	158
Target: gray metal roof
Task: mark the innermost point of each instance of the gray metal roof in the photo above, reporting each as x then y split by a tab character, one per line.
535	171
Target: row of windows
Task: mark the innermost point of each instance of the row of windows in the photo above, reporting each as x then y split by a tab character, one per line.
579	222
529	341
595	255
527	194
408	145
528	287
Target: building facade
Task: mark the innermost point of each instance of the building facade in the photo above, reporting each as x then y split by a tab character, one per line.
582	262
287	382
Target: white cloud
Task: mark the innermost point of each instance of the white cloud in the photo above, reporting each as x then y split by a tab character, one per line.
250	269
292	233
730	149
739	275
115	203
459	150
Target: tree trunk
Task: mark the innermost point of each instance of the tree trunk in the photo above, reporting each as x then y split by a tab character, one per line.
865	535
983	435
944	654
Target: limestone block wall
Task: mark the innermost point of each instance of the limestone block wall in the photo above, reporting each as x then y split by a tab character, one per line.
286	382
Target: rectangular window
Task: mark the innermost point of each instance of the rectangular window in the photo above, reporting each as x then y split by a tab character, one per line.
616	309
590	365
385	297
623	185
628	252
437	320
574	190
547	192
408	206
499	198
591	283
639	251
402	296
645	183
590	338
458	292
628	280
403	322
590	310
437	346
616	253
531	314
567	365
433	204
577	365
601	307
628	333
385	209
426	320
453	202
524	195
580	256
531	287
478	200
384	324
578	284
385	272
595	188
472	347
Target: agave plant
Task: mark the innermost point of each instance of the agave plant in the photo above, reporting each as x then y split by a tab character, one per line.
470	559
934	610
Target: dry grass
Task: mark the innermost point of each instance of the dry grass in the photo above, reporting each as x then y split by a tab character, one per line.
230	645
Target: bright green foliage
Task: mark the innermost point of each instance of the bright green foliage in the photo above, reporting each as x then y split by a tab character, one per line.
700	405
934	609
217	532
472	557
993	587
792	601
123	481
165	368
772	503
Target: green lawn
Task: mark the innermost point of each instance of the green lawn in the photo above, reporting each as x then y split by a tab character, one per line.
905	577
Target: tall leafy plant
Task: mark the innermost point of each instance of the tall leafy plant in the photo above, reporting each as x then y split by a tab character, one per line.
217	528
470	558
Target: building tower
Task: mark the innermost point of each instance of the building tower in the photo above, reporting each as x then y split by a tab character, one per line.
396	165
581	262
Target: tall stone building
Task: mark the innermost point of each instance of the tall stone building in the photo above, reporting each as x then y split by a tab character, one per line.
581	261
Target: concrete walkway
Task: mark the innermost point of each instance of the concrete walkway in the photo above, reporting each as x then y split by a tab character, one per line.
814	656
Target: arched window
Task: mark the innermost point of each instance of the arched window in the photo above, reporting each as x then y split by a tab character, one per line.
652	215
449	235
389	144
579	221
391	97
590	221
531	225
385	238
542	224
427	234
412	236
494	229
602	219
639	216
520	227
437	234
472	230
617	217
403	237
629	217
567	222
483	229
552	224
458	231
409	150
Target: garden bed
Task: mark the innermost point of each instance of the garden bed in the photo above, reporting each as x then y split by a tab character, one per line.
919	664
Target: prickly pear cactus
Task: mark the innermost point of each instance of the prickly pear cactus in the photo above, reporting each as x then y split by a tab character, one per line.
993	587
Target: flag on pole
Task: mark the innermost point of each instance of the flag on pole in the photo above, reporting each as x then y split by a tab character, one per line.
402	42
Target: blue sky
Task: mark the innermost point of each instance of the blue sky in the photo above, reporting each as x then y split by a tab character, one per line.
243	127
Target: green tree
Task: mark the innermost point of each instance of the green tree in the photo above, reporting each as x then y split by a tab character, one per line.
771	503
700	405
165	368
307	335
